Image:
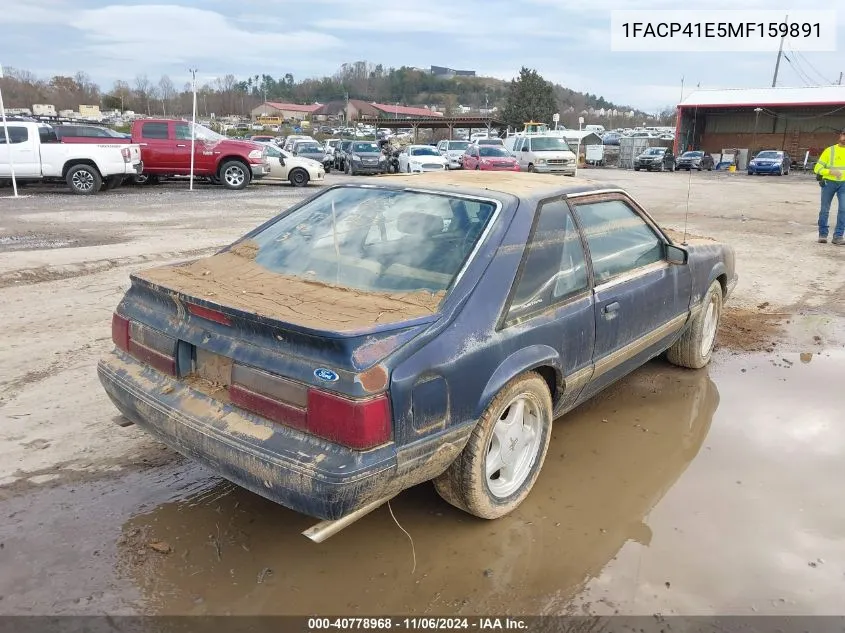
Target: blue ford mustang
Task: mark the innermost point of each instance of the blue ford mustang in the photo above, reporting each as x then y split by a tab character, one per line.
414	328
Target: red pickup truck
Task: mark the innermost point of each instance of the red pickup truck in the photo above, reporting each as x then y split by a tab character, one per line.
166	151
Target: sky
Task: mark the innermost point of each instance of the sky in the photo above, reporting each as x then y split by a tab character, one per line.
566	41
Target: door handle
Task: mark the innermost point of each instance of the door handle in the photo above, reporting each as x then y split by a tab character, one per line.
181	145
611	308
144	144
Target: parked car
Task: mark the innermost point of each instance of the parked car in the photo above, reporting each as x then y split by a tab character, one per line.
695	160
489	158
413	346
293	138
38	156
364	157
770	162
90	134
611	138
260	138
166	150
340	154
489	141
655	159
309	149
415	159
543	154
453	151
297	170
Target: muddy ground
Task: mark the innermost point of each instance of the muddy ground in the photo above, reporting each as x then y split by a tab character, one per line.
716	491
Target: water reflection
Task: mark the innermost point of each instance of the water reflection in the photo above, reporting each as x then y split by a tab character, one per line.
609	463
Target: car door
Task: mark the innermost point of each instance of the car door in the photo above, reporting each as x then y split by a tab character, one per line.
156	147
181	154
521	151
21	153
551	299
642	300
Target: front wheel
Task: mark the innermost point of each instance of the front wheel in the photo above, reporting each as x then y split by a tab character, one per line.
502	459
695	347
531	167
84	180
234	175
298	178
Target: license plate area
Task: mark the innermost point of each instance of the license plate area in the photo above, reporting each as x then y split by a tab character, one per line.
212	367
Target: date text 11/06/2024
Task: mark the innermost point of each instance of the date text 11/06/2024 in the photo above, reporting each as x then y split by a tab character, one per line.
722	30
430	623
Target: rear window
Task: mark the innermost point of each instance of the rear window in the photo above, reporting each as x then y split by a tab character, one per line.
154	130
375	240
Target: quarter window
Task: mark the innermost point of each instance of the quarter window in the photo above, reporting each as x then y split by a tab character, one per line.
555	267
154	130
620	240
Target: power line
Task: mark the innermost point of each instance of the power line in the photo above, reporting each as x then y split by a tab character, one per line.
798	64
798	71
807	61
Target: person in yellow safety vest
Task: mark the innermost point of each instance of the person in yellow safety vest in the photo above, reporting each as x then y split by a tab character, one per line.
830	171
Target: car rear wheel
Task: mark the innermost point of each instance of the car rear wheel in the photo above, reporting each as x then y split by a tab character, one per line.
695	347
234	175
298	177
84	180
531	167
502	459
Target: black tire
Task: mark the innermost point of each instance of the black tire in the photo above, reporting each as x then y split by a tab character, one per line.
465	484
531	168
409	168
298	177
234	175
636	169
698	168
695	347
84	180
214	180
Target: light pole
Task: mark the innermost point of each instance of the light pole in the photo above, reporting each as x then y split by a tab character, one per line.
578	151
757	112
193	72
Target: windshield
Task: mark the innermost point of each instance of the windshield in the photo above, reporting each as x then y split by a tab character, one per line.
308	148
768	155
377	240
548	143
491	150
424	151
693	155
365	148
490	141
457	145
655	151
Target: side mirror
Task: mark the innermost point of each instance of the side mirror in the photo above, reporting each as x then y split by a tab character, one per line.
676	254
524	149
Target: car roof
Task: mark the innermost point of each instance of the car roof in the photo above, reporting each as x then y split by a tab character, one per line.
479	183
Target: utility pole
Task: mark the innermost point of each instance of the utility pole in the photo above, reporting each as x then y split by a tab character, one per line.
780	54
840	79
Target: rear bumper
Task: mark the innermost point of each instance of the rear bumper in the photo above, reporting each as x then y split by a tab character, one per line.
291	468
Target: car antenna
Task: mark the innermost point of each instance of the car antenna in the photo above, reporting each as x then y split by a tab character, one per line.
689	182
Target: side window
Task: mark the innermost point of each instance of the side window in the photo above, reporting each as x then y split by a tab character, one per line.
183	132
16	135
47	135
154	130
620	241
99	133
555	267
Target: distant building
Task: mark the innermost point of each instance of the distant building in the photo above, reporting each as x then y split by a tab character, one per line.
358	110
796	120
442	71
285	110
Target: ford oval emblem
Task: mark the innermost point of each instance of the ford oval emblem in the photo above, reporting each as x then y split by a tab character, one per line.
326	375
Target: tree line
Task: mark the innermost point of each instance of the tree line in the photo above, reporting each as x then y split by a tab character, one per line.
528	95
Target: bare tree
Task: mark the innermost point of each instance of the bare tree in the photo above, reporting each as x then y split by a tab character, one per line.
143	87
121	92
167	92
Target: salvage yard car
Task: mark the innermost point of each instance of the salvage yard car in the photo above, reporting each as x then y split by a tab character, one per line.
37	155
655	159
295	169
414	328
770	162
416	159
694	160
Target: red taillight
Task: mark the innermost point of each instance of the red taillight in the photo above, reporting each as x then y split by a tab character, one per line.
355	423
268	407
209	314
120	331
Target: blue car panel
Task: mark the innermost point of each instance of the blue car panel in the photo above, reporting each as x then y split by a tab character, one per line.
181	356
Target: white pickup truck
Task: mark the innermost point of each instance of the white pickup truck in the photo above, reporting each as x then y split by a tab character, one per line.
38	156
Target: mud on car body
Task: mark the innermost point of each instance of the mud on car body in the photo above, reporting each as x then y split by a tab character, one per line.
416	328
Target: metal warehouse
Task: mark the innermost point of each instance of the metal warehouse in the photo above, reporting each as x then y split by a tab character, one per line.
797	120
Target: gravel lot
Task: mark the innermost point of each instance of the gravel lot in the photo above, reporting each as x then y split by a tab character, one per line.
688	466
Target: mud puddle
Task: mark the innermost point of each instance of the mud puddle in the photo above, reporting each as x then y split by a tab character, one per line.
674	492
